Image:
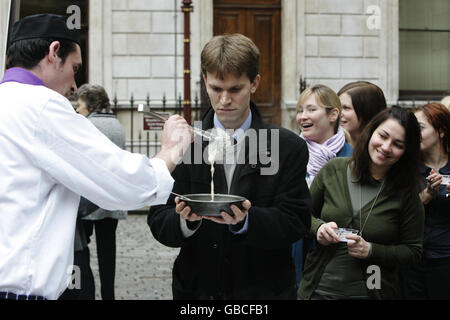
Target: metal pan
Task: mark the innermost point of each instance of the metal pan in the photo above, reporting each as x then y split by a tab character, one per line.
202	205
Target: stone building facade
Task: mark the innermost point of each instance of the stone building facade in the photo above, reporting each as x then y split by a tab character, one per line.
136	47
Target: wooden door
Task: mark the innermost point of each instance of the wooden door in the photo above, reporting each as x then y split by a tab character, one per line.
260	20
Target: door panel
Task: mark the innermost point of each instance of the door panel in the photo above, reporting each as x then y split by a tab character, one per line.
263	25
233	21
247	3
264	35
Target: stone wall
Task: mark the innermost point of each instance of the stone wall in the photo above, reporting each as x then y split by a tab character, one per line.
136	46
339	45
334	42
147	49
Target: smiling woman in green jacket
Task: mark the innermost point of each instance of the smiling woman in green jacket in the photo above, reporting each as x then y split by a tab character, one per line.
375	193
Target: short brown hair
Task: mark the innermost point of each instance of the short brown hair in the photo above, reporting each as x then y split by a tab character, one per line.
230	54
94	96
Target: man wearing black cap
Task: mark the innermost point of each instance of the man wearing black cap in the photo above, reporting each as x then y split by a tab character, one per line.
50	155
30	41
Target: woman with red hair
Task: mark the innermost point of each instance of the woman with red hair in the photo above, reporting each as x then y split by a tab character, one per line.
430	280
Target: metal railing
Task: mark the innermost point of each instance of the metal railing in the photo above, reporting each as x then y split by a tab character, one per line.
414	102
148	142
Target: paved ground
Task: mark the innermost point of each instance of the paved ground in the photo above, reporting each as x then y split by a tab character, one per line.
143	265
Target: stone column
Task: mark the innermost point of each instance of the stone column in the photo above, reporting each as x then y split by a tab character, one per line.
202	32
4	11
293	58
96	49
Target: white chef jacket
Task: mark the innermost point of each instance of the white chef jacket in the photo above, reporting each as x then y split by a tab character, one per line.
49	155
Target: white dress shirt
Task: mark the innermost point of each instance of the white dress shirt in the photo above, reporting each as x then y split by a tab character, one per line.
49	156
238	135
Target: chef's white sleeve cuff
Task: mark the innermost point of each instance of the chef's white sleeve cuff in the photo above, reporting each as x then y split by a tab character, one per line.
163	179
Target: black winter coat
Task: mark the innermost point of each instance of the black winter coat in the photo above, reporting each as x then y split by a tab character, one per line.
214	263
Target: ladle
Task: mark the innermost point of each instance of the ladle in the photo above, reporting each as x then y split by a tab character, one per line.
181	196
146	110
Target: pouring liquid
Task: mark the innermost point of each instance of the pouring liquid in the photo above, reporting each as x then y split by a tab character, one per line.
212	154
220	140
212	181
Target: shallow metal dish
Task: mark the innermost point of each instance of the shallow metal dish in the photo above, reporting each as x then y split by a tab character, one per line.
202	205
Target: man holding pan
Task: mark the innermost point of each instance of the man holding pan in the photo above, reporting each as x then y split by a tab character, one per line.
245	254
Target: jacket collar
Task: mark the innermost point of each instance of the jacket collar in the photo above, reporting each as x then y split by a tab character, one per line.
96	114
257	124
22	76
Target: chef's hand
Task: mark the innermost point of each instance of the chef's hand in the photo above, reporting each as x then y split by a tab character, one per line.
358	248
176	137
239	215
185	211
326	234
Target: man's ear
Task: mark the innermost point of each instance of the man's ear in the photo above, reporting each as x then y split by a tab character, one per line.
254	85
53	51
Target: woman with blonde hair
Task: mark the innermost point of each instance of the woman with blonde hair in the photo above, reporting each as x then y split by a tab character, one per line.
318	115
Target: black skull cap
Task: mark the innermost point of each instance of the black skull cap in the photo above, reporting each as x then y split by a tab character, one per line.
45	25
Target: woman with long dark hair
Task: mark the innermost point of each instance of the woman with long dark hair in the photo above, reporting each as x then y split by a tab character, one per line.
373	193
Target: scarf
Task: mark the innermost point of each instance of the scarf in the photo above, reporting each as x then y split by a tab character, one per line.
320	154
